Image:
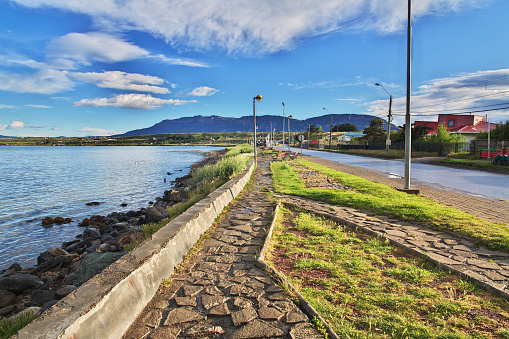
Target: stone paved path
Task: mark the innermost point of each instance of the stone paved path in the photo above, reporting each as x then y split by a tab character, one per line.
221	293
457	253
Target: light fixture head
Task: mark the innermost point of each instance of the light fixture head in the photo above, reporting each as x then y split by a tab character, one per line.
258	98
377	84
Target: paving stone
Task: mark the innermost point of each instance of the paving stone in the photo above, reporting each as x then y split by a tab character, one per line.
483	264
182	315
209	301
225	283
296	316
274	288
243	316
396	233
139	332
278	296
462	253
440	245
475	275
229	249
461	248
160	303
240	280
242	302
213	290
304	331
486	252
220	310
249	249
419	243
257	329
232	233
202	330
186	301
236	289
495	276
269	313
190	290
164	333
153	318
442	259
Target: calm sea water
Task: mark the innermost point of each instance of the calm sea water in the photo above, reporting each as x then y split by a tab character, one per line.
36	182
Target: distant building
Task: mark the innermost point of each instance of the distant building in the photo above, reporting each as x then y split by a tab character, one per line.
466	125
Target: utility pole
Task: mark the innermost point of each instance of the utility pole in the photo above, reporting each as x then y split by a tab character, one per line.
408	123
283	126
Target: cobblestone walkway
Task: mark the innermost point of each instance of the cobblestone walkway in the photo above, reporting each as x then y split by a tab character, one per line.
221	293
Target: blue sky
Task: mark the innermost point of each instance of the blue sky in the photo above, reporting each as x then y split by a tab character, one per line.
101	67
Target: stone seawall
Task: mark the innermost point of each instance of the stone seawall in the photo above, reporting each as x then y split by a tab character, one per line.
106	305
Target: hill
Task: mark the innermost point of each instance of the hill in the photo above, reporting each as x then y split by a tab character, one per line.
218	124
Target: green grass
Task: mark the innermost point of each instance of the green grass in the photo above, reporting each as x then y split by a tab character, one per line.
9	328
366	288
472	163
384	200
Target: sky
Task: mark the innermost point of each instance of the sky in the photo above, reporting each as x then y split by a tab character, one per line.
104	67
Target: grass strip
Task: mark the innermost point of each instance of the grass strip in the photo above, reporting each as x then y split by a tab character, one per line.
366	288
481	164
9	327
384	200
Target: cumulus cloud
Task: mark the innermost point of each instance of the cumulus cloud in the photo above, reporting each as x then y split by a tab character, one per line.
479	93
45	81
124	81
93	46
15	125
247	26
97	131
132	101
203	91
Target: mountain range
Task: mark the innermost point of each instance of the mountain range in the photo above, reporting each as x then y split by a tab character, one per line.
218	124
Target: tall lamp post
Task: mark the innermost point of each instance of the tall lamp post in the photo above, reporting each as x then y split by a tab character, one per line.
283	126
255	99
389	119
289	134
309	130
330	132
271	137
408	126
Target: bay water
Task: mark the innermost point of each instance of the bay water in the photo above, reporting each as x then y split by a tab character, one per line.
37	182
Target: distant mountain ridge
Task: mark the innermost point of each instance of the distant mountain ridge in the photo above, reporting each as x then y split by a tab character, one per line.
218	124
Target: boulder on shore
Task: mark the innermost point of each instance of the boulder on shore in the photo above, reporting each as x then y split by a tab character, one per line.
20	282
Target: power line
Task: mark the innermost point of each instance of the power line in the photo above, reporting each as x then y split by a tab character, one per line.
466	112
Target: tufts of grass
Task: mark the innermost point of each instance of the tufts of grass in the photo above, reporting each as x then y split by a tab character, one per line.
384	200
9	327
370	289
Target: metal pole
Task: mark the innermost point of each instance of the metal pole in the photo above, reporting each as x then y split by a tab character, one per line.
389	119
271	139
289	136
408	126
330	133
283	126
254	118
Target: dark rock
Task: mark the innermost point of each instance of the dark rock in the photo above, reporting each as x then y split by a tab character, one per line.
56	251
41	297
69	243
47	221
73	277
16	266
47	278
72	248
20	282
131	214
61	260
80	251
64	291
113	220
59	220
163	211
48	305
104	229
107	238
7	309
142	221
67	220
95	262
94	203
120	226
85	222
43	257
123	204
91	233
153	215
6	298
93	248
8	272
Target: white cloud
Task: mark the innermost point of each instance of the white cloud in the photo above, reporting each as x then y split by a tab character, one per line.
123	81
38	106
246	26
132	101
203	91
15	125
93	46
6	106
45	82
97	131
179	61
483	92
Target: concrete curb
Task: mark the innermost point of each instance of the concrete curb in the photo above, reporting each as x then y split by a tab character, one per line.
303	303
106	305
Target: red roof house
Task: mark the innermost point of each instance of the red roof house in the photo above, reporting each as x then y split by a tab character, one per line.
466	125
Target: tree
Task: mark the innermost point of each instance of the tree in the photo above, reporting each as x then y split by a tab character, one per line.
501	132
443	135
348	127
375	131
418	132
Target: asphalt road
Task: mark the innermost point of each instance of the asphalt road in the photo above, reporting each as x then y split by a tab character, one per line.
466	181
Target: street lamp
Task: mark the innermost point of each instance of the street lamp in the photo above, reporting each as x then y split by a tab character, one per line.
289	134
330	132
283	126
255	99
389	119
309	130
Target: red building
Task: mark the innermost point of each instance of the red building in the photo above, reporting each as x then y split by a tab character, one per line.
466	125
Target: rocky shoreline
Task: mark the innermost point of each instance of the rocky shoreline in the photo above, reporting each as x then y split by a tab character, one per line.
60	270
